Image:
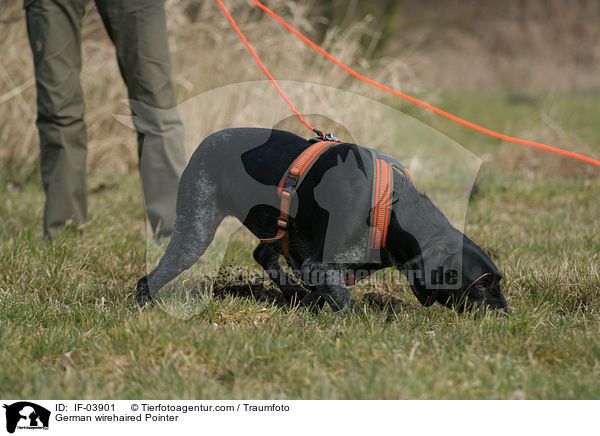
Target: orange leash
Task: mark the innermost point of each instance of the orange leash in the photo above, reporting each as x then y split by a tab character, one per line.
386	89
262	66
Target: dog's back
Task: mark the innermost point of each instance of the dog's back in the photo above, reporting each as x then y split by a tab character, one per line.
242	167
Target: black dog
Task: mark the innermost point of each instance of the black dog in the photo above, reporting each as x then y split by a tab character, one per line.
235	172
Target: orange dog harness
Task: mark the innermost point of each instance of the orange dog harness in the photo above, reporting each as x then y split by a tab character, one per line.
381	197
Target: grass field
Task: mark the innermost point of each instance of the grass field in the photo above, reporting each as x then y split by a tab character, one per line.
537	215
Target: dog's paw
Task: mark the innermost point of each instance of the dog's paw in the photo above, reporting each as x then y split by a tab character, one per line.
314	301
142	295
294	294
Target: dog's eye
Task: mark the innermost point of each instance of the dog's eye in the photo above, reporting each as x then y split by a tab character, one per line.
484	282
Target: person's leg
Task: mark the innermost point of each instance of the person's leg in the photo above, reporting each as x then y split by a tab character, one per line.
54	34
138	30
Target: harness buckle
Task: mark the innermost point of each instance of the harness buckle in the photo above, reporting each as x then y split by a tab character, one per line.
287	192
282	223
290	182
329	137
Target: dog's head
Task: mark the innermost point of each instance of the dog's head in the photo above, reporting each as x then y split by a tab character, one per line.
458	274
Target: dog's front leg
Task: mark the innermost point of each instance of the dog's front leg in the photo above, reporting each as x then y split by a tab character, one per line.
269	260
330	287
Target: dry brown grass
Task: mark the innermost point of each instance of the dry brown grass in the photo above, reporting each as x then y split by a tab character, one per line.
537	45
206	54
532	161
455	45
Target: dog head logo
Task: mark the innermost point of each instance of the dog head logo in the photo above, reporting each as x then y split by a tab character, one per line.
26	415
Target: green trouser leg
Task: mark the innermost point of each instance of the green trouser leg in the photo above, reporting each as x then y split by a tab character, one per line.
53	27
138	30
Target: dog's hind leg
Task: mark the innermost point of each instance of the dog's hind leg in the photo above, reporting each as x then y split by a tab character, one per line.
269	260
198	217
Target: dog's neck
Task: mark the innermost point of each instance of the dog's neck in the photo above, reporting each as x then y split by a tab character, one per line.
416	224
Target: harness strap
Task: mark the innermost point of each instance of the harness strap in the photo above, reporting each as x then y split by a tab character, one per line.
381	195
381	202
288	185
403	171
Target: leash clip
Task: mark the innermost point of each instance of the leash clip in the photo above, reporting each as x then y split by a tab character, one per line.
324	136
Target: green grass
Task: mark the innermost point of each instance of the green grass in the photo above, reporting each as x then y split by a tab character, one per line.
510	113
75	293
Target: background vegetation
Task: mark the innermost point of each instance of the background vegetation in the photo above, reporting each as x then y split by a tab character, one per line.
528	69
